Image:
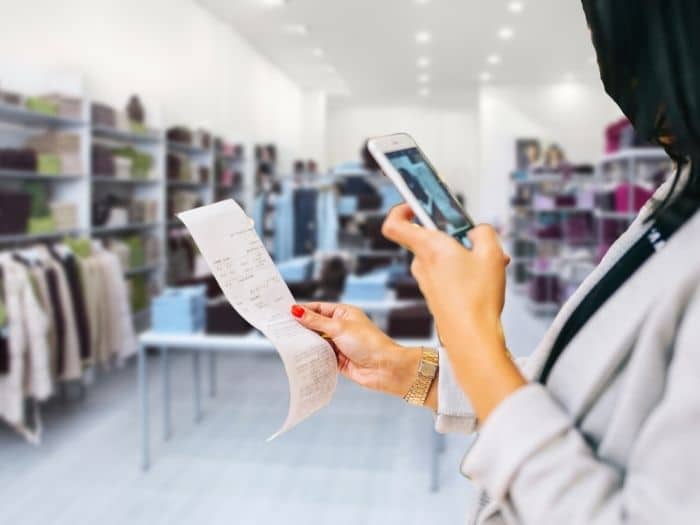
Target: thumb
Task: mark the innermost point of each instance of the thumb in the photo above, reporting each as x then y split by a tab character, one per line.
316	322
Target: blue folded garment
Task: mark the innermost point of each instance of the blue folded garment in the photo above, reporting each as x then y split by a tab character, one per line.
179	310
347	205
296	270
369	287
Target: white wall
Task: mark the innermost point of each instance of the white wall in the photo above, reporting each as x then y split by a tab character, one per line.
314	127
188	66
448	136
573	115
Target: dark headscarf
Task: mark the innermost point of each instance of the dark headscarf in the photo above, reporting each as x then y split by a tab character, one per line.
649	57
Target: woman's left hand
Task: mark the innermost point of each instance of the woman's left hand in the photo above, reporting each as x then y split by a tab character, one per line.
465	291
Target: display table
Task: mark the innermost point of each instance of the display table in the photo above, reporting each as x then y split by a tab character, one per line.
200	343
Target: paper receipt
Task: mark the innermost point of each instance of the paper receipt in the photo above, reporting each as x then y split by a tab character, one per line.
252	284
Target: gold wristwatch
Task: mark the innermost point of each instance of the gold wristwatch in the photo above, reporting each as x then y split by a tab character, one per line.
427	370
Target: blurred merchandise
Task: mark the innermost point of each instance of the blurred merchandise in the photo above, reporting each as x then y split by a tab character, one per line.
179	310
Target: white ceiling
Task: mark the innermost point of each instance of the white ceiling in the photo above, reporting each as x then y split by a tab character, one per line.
372	48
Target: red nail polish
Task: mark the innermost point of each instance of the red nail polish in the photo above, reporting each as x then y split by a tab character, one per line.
297	311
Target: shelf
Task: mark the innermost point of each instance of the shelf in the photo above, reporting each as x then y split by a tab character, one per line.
635	154
542	308
106	179
187	184
105	132
38	237
149	268
230	158
31	175
24	117
564	209
232	189
186	149
619	215
107	230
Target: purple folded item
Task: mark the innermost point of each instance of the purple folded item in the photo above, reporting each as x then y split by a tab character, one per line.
626	194
605	200
14	212
552	231
565	201
544	289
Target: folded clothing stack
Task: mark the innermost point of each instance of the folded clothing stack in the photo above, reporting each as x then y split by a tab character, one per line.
369	287
410	321
578	228
179	168
41	105
151	249
57	152
141	162
631	198
15	207
223	319
103	161
179	310
103	115
67	107
64	215
139	293
10	98
137	254
201	138
182	200
544	288
524	248
143	211
405	286
18	159
179	134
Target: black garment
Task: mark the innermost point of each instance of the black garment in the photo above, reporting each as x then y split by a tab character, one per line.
4	343
671	220
59	321
305	227
70	267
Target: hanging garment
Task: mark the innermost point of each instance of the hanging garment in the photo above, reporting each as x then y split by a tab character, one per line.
327	220
305	225
29	369
284	227
75	285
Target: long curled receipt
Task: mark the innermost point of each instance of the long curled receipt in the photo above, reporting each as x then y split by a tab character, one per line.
252	284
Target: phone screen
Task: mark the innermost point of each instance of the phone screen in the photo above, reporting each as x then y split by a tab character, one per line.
431	192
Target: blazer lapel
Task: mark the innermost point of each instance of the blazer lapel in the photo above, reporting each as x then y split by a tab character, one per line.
608	337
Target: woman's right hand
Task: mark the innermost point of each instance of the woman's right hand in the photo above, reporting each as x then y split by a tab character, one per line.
366	355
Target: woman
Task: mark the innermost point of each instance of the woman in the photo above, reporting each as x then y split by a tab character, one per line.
602	424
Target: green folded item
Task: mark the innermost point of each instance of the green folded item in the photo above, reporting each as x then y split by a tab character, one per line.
48	164
42	105
3	315
141	163
81	247
138	127
139	294
137	254
41	225
39	197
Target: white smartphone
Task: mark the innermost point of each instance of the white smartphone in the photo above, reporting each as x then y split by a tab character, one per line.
426	193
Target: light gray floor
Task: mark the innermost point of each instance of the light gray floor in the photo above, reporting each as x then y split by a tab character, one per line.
363	460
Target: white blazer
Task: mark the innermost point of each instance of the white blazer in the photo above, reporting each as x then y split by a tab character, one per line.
614	436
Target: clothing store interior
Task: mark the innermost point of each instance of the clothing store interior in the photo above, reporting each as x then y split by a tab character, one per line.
131	391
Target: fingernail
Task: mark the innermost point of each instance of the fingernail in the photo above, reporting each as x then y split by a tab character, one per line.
297	311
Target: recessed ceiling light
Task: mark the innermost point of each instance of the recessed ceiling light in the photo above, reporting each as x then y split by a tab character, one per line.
296	29
273	3
485	76
424	92
424	78
506	33
423	37
516	6
422	2
493	59
317	52
423	62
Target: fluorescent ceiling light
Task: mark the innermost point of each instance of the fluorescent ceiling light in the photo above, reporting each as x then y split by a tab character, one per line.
424	92
296	29
423	37
424	78
493	59
273	3
422	2
516	6
485	76
506	33
317	52
423	62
